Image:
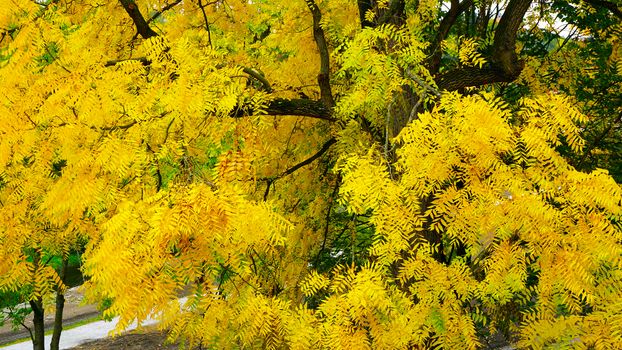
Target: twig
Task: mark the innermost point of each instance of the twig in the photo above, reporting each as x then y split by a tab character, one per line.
32	338
413	111
327	226
209	34
267	192
168	128
164	9
309	160
270	180
423	84
237	274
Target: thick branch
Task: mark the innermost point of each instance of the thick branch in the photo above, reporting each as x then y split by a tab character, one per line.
323	77
471	76
139	20
504	46
301	107
504	65
447	22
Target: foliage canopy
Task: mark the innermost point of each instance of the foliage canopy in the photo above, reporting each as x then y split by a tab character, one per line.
320	174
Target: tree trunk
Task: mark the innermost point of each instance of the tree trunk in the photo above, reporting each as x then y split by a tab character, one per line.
38	342
60	304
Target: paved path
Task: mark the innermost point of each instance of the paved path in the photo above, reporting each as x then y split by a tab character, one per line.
74	312
76	336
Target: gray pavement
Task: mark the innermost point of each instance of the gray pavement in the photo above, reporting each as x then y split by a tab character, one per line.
76	336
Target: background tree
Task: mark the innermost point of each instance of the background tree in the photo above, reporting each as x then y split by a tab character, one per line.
318	181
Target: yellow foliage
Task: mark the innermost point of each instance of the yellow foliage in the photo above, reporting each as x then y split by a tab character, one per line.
366	227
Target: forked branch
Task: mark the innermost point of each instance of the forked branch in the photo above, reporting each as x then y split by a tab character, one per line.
141	24
504	65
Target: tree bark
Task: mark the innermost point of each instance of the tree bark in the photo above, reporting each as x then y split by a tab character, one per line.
504	65
504	46
38	342
323	78
141	24
299	107
447	22
60	305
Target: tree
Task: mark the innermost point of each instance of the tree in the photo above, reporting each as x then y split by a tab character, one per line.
378	174
36	239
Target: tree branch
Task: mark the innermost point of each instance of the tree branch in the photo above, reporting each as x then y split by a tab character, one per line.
504	45
427	87
309	160
142	60
364	6
164	9
139	20
209	33
259	77
250	71
447	22
596	142
270	180
301	107
471	76
606	4
393	13
32	337
279	106
327	225
323	77
504	65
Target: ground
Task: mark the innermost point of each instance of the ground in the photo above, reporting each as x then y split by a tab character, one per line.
74	312
131	341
